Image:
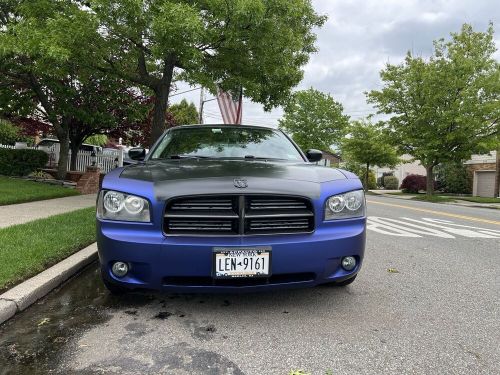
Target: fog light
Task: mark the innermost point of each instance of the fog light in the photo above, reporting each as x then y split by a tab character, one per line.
119	269
348	263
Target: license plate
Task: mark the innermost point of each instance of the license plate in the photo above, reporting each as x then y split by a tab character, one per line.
242	262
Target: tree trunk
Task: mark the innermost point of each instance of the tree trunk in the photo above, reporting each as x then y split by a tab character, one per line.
159	114
497	175
430	179
367	174
162	92
62	166
74	147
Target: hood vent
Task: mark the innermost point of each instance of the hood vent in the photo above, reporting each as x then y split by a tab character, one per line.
238	215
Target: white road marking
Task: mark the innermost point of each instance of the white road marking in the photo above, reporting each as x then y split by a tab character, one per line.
458	229
408	227
386	229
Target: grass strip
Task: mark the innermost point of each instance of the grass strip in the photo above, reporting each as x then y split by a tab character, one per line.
27	249
478	199
432	198
16	190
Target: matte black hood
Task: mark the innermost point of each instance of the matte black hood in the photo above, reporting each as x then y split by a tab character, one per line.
186	177
158	171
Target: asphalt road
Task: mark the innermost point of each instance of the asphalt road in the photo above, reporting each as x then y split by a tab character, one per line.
427	301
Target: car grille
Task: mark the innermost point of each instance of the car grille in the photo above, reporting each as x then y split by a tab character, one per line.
238	215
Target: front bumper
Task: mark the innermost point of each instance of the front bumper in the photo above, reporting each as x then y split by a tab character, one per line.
184	264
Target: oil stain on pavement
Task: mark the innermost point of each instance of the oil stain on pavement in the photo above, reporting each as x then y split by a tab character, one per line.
43	338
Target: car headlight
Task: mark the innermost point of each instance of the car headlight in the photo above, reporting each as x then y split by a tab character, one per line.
344	206
113	205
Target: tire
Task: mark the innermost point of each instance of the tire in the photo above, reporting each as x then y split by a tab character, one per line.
342	283
114	289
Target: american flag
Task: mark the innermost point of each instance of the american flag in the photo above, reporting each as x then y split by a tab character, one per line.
231	110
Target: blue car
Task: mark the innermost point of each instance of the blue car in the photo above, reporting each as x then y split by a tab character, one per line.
228	208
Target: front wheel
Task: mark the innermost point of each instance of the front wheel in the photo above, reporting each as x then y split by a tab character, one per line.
114	289
344	282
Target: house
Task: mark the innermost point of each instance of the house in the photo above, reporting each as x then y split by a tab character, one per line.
407	167
482	168
330	159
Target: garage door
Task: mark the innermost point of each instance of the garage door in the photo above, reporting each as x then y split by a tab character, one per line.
484	184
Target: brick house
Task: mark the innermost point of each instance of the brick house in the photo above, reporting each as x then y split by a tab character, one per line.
482	170
330	159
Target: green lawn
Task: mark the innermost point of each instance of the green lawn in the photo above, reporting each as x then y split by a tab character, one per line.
432	198
15	190
451	198
30	248
478	199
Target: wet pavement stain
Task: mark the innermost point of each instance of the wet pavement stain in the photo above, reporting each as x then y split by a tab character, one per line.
32	342
163	315
52	336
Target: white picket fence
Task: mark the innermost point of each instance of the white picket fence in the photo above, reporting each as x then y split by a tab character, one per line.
106	161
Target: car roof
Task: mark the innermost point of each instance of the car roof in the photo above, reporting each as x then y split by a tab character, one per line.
223	126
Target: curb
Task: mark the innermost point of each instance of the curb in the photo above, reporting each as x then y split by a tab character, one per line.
28	292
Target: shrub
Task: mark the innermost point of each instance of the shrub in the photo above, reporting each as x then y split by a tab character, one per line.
372	182
414	183
360	171
453	178
21	162
391	182
9	134
380	180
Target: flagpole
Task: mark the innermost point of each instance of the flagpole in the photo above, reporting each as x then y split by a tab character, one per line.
240	107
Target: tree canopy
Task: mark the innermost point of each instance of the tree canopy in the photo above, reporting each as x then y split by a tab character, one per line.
314	119
184	113
446	107
257	45
39	81
367	144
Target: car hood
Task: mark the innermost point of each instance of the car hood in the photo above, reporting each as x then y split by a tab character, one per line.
156	171
177	177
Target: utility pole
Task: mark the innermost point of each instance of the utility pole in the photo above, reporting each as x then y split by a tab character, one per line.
202	103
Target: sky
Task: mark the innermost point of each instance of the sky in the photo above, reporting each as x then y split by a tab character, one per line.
356	42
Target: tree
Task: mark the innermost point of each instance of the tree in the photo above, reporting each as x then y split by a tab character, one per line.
369	146
184	113
447	107
43	83
137	132
258	46
314	119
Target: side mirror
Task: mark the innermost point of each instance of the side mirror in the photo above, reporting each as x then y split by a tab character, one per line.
314	155
137	153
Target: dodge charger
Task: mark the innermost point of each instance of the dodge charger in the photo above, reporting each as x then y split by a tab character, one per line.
226	208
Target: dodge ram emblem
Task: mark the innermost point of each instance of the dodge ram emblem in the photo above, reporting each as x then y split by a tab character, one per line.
240	183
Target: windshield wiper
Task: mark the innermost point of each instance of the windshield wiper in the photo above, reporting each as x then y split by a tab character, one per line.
187	157
252	157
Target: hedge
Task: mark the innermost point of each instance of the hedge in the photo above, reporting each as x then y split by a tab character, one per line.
21	162
391	182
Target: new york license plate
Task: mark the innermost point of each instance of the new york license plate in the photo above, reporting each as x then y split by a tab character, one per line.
242	262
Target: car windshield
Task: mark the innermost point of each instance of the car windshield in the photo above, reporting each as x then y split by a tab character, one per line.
236	142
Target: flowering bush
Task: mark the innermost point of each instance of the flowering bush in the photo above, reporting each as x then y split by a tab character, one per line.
414	183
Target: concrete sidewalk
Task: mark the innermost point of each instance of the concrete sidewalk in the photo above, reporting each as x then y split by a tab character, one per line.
22	213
